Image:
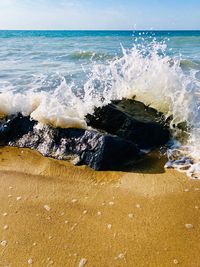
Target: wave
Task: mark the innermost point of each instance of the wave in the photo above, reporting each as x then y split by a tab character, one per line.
194	64
145	72
78	55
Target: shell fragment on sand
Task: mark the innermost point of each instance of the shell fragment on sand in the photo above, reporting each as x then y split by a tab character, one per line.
82	262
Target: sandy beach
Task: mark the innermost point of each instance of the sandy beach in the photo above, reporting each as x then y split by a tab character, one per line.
55	214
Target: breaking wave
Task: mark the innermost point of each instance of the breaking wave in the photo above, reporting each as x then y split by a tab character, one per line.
144	72
89	55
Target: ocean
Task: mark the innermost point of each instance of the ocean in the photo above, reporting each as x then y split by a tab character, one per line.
58	77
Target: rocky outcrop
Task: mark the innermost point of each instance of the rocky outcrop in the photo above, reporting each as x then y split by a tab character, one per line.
131	120
97	150
124	128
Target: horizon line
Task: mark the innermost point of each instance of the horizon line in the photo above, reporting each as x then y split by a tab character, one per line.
99	30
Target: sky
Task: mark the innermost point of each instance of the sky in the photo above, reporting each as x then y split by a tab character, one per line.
100	15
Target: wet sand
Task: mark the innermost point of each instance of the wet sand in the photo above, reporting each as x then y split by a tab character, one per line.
55	214
2	115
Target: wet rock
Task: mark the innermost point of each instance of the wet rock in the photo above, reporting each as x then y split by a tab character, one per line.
131	120
98	150
15	127
124	128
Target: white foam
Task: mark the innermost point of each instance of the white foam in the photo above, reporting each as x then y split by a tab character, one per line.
159	81
145	72
42	107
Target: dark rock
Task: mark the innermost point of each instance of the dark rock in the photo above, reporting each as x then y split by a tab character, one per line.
125	126
15	127
131	120
97	150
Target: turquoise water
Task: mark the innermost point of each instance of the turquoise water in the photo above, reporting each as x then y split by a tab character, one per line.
58	77
37	58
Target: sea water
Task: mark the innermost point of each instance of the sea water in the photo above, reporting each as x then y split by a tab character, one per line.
57	77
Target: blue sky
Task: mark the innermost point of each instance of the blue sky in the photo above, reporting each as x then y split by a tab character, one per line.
103	14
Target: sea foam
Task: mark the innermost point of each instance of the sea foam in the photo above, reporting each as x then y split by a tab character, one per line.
144	72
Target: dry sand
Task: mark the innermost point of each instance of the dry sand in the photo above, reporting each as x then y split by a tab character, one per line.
55	214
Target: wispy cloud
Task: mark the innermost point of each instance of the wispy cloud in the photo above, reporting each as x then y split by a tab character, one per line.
93	14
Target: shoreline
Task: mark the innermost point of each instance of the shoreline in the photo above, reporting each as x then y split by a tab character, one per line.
53	213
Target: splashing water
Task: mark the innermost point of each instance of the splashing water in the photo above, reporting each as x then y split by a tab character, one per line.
145	72
149	75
